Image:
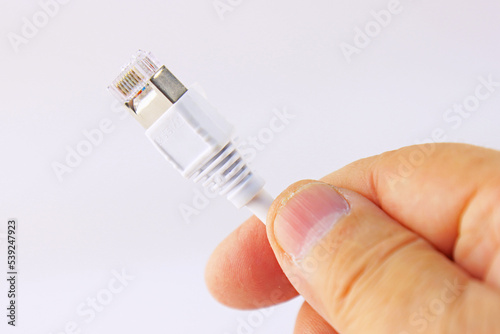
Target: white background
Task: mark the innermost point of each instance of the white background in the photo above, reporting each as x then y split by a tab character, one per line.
119	209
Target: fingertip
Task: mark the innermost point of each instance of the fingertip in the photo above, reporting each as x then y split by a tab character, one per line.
278	203
243	272
225	273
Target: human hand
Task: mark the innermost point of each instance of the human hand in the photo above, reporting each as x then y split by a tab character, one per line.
404	242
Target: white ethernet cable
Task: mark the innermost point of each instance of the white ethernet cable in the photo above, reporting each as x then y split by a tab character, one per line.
188	131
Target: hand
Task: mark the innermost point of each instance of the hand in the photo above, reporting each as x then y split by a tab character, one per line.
404	242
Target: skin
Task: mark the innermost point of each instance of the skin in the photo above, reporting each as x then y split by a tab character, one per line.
422	217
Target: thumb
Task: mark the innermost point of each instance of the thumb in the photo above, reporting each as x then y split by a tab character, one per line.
365	273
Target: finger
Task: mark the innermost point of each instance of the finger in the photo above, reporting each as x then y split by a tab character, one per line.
243	272
477	248
310	322
446	193
366	273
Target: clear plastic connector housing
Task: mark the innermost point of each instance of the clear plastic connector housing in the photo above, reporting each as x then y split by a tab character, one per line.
134	77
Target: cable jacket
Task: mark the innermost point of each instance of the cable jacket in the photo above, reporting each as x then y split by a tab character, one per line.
260	205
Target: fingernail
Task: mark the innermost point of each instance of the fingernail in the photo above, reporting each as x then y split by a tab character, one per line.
307	217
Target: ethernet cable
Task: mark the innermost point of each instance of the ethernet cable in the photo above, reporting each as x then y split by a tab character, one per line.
189	132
